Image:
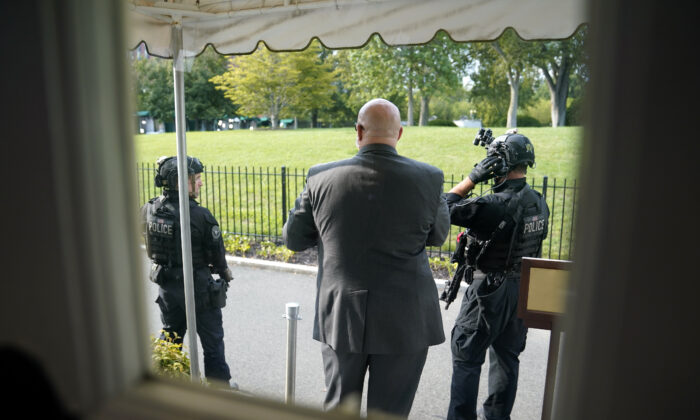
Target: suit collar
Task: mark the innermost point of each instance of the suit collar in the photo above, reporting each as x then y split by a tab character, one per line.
377	148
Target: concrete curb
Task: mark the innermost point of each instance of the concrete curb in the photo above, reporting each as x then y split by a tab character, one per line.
253	262
294	268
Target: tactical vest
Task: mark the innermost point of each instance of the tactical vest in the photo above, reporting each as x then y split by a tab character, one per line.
528	214
163	235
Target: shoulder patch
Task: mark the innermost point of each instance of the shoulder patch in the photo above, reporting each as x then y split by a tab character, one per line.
215	232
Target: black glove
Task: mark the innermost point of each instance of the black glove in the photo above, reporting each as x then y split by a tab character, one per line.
488	168
226	275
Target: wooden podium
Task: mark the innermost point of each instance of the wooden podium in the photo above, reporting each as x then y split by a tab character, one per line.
544	285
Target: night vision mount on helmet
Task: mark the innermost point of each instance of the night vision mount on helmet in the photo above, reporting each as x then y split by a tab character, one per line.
514	148
166	174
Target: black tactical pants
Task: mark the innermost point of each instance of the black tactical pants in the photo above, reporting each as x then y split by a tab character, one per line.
487	320
171	300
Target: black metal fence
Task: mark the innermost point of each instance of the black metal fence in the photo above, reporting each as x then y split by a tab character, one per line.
254	202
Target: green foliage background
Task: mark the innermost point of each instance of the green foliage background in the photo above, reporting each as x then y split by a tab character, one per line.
448	148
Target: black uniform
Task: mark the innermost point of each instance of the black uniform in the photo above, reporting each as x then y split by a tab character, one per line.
488	314
161	226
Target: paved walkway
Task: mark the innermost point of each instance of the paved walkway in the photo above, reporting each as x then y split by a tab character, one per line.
256	343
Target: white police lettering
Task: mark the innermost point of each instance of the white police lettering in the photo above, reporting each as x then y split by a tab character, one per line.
160	227
533	225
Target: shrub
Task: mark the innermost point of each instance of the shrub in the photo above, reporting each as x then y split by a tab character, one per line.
237	244
441	123
439	264
574	112
272	251
528	121
168	358
540	110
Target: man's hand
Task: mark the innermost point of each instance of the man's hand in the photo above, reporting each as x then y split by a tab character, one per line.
226	275
487	169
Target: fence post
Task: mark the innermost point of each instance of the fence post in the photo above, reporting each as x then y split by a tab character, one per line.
284	195
292	315
544	186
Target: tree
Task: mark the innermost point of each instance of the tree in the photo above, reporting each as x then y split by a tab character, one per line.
378	70
508	56
490	95
271	83
558	60
451	105
341	111
153	83
203	102
316	81
154	87
370	73
432	68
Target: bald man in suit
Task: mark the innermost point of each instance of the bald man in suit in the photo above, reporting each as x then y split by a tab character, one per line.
372	216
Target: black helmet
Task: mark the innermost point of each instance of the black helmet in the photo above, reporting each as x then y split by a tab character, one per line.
166	174
515	148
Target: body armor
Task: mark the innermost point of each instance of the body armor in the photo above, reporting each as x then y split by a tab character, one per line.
528	216
163	235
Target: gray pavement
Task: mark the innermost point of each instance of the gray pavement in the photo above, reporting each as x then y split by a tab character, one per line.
255	339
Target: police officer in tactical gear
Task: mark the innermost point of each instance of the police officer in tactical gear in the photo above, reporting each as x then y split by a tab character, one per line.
501	227
161	228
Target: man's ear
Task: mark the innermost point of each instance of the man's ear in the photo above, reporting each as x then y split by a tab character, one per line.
400	132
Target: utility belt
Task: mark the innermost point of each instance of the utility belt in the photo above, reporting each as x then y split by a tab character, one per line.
216	288
493	279
158	274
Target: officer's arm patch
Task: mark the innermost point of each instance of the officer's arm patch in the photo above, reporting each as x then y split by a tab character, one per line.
215	232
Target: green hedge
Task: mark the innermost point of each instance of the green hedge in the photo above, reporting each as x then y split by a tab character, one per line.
528	121
441	123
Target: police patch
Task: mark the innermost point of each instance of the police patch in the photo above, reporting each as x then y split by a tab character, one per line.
215	232
533	225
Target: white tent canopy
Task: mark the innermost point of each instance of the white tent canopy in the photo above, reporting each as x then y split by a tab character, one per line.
236	26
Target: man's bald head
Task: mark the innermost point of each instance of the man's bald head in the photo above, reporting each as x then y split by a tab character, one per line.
379	121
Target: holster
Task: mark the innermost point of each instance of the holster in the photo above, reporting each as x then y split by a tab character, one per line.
217	292
156	274
468	275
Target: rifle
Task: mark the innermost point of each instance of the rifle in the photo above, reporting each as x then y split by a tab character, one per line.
464	271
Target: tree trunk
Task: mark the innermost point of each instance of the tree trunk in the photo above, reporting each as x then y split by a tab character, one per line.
512	120
409	116
559	103
424	110
513	75
314	118
514	82
274	112
558	92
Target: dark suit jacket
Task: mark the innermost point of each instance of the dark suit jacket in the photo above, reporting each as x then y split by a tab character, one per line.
372	216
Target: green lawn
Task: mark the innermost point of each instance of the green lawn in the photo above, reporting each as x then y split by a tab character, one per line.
448	148
243	189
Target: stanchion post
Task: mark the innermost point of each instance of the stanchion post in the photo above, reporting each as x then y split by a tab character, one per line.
551	376
292	315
